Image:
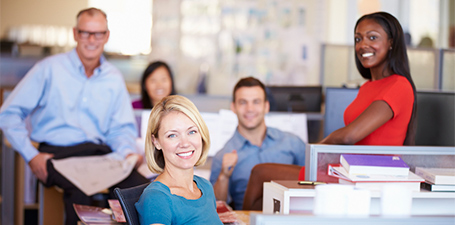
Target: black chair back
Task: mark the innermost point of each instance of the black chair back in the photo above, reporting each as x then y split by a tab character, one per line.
127	198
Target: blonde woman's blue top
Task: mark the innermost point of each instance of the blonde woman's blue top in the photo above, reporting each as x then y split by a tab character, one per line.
158	205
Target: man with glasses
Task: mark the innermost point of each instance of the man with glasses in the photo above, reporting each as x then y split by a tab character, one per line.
78	106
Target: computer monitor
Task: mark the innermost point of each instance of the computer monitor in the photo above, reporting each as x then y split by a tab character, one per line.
295	98
435	118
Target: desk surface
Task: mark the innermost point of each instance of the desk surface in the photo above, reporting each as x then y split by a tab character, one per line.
244	216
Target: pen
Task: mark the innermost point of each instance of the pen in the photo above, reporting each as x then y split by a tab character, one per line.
310	182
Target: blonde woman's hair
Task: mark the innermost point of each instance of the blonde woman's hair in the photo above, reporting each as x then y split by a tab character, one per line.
173	103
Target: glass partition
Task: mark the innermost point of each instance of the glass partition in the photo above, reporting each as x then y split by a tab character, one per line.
338	66
318	157
431	69
448	70
423	65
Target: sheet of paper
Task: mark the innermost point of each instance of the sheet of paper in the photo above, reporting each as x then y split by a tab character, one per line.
340	172
92	174
221	127
295	123
144	122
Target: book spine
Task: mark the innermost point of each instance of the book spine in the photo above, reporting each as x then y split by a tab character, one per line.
344	163
428	177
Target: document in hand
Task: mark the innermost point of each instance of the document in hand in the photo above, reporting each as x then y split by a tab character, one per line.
92	174
374	164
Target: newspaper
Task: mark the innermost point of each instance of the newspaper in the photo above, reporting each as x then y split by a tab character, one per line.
92	174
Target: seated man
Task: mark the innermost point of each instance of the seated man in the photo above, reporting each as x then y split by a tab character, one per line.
253	143
78	106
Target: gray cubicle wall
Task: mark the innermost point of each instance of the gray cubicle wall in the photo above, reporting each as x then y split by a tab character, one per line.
435	118
336	101
317	157
14	68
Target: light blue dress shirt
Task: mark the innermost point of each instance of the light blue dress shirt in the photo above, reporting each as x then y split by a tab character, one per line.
67	108
277	147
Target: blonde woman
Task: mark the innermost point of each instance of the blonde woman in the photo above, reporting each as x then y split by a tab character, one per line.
177	140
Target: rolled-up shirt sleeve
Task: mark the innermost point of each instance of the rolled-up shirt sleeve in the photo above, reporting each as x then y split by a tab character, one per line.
121	136
19	104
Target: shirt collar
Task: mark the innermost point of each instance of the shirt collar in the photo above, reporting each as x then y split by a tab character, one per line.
272	133
240	141
74	57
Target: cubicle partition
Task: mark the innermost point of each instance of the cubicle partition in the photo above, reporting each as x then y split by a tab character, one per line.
318	157
298	219
336	101
435	118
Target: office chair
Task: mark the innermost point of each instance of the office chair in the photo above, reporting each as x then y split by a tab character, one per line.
265	172
127	197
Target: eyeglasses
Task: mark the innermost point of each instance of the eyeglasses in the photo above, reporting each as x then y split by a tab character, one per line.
86	34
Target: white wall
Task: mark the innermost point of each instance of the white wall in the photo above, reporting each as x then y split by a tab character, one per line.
42	12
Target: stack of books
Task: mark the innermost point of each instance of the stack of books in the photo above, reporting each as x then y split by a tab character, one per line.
374	171
437	179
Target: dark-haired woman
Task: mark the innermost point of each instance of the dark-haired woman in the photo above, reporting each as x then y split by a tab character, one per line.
383	112
157	82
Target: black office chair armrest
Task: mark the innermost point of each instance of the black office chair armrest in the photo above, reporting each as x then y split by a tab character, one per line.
127	198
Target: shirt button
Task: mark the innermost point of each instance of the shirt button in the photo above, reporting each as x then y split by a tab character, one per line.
84	99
